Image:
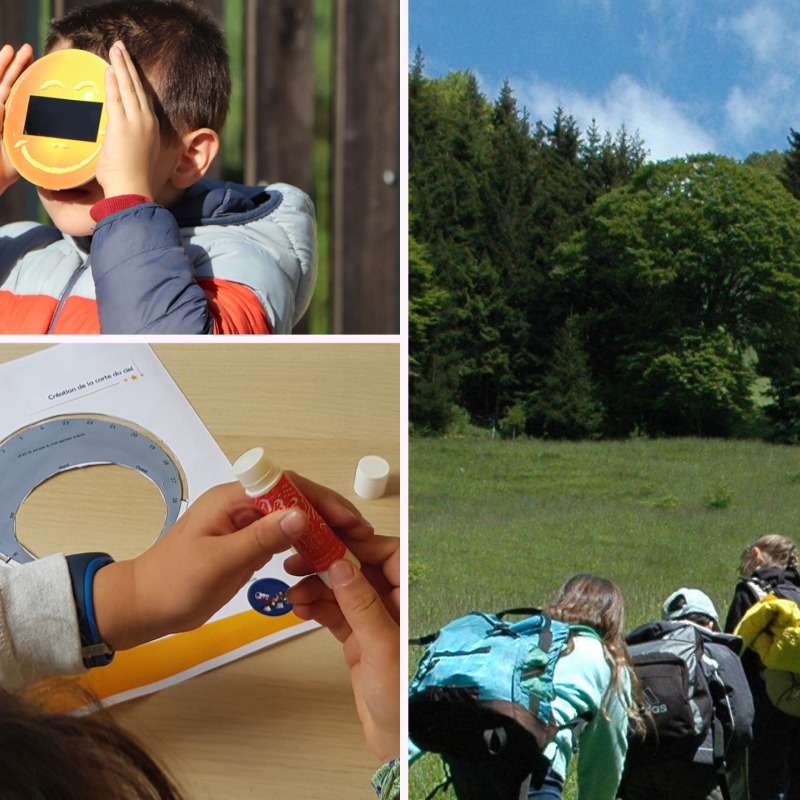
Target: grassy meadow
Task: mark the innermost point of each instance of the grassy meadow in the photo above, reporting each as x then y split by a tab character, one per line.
497	523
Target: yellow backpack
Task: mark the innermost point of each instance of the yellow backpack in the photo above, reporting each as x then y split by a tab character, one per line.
771	628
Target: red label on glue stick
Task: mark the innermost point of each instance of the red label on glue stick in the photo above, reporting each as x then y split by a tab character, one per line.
319	546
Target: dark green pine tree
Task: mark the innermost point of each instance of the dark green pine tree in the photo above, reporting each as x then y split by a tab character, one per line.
450	184
508	256
560	199
565	405
790	176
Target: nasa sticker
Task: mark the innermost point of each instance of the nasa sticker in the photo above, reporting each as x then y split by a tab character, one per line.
55	119
268	597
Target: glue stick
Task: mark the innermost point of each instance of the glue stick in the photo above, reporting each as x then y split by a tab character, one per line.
271	490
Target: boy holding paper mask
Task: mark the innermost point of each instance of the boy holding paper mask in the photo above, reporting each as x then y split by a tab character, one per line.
148	246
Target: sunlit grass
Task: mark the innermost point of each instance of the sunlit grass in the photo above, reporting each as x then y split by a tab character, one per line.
495	524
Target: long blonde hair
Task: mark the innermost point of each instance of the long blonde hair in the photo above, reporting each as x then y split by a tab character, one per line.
596	602
776	551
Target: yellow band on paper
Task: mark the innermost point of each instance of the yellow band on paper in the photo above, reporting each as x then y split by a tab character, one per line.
164	658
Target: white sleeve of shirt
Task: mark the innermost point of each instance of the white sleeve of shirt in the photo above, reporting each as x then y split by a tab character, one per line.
39	634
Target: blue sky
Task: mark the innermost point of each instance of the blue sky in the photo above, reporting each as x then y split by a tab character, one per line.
691	75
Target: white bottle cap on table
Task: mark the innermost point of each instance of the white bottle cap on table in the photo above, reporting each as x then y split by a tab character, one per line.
371	477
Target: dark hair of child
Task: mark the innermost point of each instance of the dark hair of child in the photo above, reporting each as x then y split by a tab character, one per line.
597	602
46	755
176	45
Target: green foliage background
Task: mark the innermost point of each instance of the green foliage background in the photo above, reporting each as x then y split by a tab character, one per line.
555	271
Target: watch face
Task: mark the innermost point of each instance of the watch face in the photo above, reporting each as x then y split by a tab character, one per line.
55	119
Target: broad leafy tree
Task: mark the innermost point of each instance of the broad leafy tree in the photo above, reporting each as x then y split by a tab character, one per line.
688	282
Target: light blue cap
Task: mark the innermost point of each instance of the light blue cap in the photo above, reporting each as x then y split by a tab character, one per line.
695	602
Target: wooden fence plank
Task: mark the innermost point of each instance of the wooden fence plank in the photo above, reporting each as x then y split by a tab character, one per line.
20	200
279	98
279	115
366	164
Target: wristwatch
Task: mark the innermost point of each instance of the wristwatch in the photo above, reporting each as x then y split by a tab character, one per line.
82	568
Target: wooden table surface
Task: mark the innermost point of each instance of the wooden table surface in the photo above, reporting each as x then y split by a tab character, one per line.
280	723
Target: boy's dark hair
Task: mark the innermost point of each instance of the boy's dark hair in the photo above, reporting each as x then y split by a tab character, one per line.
176	44
49	755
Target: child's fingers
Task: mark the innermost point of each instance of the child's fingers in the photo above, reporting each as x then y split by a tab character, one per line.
334	508
381	551
296	565
12	66
114	107
308	591
135	82
125	96
127	84
6	55
254	545
328	614
362	607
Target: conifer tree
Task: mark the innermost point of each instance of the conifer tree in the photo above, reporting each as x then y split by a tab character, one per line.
790	176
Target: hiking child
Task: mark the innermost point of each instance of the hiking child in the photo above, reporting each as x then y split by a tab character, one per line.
593	682
149	246
766	565
575	648
699	705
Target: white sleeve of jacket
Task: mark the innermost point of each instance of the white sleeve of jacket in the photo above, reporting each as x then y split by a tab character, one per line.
275	256
39	634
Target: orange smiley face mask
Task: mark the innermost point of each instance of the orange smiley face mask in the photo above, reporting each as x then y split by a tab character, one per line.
55	119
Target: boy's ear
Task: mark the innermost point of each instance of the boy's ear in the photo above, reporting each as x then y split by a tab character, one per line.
199	149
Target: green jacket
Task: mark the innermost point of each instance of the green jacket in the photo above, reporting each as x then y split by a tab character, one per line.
581	680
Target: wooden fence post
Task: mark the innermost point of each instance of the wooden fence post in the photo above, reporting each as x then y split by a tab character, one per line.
366	165
279	115
17	26
279	102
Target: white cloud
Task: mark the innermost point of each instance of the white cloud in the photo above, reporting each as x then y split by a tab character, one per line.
767	95
766	33
666	128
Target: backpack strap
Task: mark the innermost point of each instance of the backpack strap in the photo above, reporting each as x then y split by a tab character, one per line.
719	758
432	637
527	612
757	588
426	639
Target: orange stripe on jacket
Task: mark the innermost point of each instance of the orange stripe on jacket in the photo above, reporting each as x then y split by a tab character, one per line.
234	307
26	313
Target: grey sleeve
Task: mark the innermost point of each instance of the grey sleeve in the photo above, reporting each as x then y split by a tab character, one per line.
39	635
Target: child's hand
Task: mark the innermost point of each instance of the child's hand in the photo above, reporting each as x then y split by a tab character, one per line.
193	570
363	612
11	67
132	138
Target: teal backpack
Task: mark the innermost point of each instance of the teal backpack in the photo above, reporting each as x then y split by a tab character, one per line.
482	695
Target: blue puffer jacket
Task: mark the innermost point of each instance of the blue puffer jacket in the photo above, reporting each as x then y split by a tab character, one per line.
228	259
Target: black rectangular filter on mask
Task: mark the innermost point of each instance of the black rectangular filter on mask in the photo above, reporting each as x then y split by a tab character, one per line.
57	118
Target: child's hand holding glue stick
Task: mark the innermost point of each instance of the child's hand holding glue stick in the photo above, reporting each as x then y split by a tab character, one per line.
362	610
273	490
361	604
202	561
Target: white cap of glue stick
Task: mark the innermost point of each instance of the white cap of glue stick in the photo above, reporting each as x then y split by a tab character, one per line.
371	476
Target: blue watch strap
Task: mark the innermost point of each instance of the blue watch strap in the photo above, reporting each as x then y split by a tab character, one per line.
82	569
